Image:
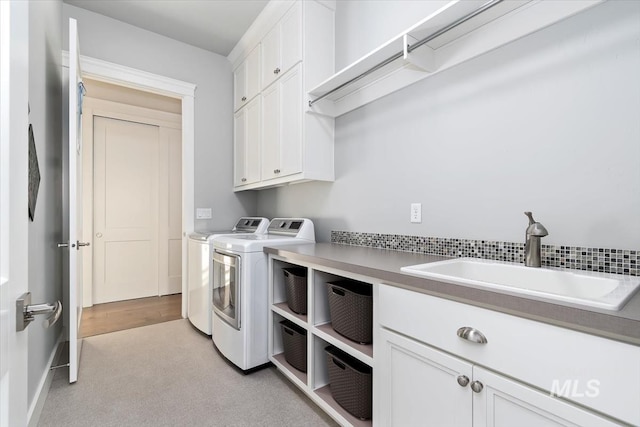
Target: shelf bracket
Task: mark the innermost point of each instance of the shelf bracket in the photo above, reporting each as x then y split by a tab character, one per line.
423	57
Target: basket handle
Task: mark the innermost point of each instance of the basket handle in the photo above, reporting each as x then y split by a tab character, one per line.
286	273
287	330
337	291
338	364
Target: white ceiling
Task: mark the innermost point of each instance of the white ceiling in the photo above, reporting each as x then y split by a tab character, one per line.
214	25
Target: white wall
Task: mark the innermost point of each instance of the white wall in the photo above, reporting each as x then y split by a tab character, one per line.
45	259
548	123
114	41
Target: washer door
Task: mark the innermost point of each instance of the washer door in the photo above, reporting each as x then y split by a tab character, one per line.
226	287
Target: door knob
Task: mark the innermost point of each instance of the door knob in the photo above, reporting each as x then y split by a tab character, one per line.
82	244
26	312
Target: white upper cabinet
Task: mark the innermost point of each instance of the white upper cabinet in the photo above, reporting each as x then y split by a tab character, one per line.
247	143
296	44
246	79
282	130
282	46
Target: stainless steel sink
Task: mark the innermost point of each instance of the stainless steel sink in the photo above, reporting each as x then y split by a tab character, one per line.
608	291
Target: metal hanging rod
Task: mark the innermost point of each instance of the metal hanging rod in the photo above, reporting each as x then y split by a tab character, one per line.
414	46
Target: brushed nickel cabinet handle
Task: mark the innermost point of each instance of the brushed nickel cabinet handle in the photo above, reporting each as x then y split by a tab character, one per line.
244	98
276	71
470	334
477	386
463	380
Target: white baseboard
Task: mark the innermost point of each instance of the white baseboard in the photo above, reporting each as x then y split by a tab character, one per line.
35	409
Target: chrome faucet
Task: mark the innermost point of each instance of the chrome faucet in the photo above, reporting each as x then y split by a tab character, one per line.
535	231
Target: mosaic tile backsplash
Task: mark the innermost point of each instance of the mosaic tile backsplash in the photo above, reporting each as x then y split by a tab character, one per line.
617	261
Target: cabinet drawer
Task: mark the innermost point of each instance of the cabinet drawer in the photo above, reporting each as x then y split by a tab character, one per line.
596	372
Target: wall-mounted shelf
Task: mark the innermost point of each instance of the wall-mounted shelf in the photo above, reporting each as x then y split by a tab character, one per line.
457	32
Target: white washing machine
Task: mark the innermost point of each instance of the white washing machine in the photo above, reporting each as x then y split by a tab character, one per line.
199	267
240	289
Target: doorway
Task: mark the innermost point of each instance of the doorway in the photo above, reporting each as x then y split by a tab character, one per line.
132	210
184	92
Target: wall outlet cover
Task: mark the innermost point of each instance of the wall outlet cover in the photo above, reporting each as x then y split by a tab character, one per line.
416	212
203	213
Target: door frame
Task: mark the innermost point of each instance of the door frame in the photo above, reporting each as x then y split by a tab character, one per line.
14	223
95	107
108	72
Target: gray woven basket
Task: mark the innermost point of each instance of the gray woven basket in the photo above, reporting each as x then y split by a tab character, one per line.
295	281
350	383
351	309
294	341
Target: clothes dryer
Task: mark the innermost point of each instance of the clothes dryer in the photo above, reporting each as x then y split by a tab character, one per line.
199	263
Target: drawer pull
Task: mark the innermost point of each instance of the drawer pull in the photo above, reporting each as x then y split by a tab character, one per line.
470	334
477	386
463	380
339	364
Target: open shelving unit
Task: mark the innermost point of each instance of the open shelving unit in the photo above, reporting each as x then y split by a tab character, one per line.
459	31
320	334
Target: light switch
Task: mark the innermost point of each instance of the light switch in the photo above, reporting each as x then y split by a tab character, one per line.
203	213
416	212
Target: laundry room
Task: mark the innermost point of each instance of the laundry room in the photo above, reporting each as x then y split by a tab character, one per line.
320	212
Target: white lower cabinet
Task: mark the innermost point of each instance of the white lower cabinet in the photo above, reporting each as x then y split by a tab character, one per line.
422	386
442	363
419	386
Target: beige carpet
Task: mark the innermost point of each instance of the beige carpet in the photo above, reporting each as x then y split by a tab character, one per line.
170	375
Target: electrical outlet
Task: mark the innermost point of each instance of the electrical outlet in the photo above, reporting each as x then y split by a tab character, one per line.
203	213
416	212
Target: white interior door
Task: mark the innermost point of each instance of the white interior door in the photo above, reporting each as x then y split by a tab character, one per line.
76	242
14	36
126	163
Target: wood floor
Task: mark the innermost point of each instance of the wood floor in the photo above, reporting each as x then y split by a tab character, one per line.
117	316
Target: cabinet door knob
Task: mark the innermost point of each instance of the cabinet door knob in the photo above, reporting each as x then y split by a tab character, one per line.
244	98
463	380
276	171
276	71
244	180
470	334
477	386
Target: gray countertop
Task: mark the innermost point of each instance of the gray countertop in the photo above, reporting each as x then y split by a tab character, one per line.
384	265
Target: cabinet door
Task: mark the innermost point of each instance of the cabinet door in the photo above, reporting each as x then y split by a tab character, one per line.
246	143
253	141
252	73
291	38
291	122
239	83
270	56
416	385
282	46
239	143
505	403
270	132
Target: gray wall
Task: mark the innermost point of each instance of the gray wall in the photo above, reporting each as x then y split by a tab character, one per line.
548	123
114	41
45	259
